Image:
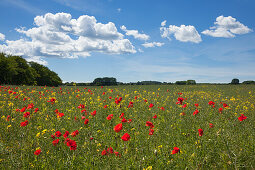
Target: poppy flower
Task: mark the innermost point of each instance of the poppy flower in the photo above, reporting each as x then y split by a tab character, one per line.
105	106
118	127
58	133
72	144
83	117
151	105
37	152
196	104
145	100
242	117
225	105
94	113
220	110
124	120
117	154
195	112
66	134
200	131
104	152
185	105
125	137
129	120
122	115
25	123
155	116
52	136
86	121
91	138
151	131
30	106
55	142
36	110
23	109
8	118
211	103
74	133
211	125
150	124
110	150
180	100
176	150
109	117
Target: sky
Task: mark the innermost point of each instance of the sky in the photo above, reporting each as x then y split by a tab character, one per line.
135	40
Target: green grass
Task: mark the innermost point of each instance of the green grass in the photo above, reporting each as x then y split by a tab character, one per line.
230	144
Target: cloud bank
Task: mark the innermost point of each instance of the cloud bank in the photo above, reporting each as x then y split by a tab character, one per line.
135	34
59	35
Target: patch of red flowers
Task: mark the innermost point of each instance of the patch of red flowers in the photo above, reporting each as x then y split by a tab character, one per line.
175	151
25	123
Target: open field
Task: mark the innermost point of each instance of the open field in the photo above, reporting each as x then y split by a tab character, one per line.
168	127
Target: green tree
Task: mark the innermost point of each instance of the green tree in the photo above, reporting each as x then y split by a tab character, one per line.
235	81
191	82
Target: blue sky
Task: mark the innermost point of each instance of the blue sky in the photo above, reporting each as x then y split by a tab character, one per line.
165	40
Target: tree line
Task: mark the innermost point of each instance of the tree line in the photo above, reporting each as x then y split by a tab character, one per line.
16	70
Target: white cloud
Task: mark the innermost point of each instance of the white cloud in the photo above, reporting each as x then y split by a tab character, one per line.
119	9
163	23
183	33
226	27
2	37
58	35
152	44
135	34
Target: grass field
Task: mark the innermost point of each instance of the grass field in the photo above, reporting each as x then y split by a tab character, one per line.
168	127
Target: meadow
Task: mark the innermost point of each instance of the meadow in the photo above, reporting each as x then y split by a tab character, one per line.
128	127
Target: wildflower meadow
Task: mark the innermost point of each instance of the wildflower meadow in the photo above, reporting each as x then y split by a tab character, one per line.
127	127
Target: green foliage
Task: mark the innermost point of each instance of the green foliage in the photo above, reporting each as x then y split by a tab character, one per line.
249	82
191	82
15	70
105	81
181	82
235	81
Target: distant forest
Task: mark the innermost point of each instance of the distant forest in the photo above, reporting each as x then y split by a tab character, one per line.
15	70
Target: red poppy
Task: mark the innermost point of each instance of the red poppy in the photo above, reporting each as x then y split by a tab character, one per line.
104	152
23	109
55	142
94	113
24	123
52	136
145	100
124	120
125	137
105	106
36	110
155	116
211	125
117	154
91	138
58	133
74	133
109	117
86	121
129	120
30	106
185	105
72	144
180	100
220	110
242	117
225	105
37	152
211	103
151	105
26	115
200	131
151	131
60	114
150	124
81	106
118	127
83	117
176	150
122	115
195	112
8	118
66	134
196	104
110	150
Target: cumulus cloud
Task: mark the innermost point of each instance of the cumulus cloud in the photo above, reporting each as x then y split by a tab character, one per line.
226	27
2	37
152	44
135	34
183	33
59	35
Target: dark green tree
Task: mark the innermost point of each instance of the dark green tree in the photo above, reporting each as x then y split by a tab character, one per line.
235	81
191	82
